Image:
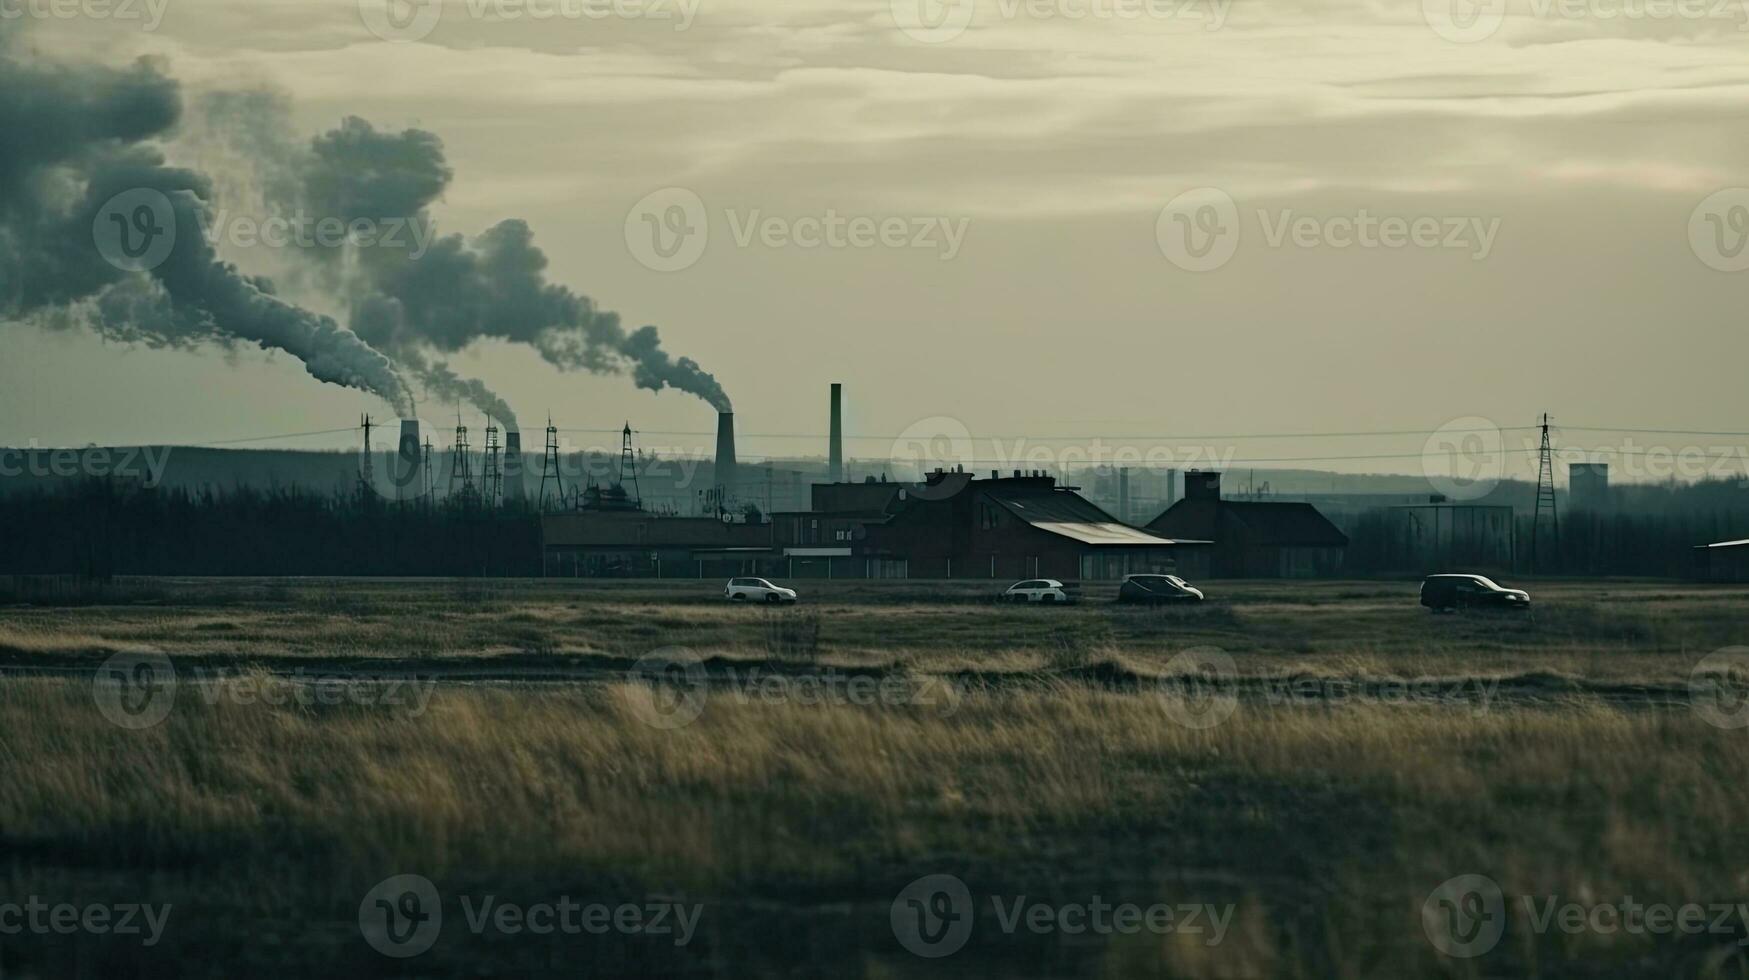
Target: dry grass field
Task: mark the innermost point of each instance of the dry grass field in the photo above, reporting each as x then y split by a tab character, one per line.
1292	771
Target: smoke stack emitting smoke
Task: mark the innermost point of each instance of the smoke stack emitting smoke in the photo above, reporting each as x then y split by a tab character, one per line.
90	129
725	461
409	475
97	128
458	291
513	488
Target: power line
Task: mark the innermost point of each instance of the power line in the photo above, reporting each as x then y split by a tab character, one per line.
283	435
1142	437
1668	432
1108	437
1326	459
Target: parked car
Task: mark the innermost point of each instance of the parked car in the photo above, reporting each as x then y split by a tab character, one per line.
1449	592
1039	590
757	590
1157	588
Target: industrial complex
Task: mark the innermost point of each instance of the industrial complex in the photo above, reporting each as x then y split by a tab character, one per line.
490	505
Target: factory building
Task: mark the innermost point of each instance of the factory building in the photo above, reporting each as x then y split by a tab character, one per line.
950	526
1019	526
1588	486
1252	538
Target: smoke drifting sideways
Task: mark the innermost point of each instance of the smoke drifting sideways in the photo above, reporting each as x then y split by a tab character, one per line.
459	290
77	135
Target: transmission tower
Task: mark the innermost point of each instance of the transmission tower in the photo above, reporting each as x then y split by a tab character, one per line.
425	470
1545	496
461	476
366	474
491	477
628	465
549	467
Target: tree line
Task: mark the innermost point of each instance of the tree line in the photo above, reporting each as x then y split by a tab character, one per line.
98	528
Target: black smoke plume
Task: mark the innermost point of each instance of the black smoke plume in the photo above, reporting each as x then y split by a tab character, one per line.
459	290
75	136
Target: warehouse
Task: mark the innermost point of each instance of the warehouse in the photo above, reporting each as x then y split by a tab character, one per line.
1254	538
950	526
1020	526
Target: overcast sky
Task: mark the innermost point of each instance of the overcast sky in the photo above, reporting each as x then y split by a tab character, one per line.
1054	217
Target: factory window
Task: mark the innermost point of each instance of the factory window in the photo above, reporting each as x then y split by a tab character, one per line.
986	516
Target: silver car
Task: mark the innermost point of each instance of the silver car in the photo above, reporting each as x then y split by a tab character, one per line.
756	590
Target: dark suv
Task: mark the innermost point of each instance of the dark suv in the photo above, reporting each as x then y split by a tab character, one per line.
1157	588
1445	593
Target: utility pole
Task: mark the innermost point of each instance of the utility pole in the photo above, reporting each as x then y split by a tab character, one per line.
1545	491
549	467
425	469
366	476
628	464
461	476
491	477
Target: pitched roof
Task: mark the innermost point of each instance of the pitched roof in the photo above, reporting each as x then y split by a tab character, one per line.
1073	516
1265	522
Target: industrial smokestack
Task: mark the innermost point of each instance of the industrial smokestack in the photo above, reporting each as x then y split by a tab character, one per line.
725	465
835	452
1202	485
409	469
513	465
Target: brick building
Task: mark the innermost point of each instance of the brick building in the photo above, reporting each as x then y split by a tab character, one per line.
1254	538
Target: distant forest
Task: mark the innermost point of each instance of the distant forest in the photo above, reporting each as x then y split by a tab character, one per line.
1638	530
98	528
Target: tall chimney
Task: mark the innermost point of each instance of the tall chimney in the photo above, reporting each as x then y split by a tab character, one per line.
512	468
835	451
409	473
725	464
1202	485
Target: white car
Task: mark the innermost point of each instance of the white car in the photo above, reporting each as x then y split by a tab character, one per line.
1038	590
756	590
